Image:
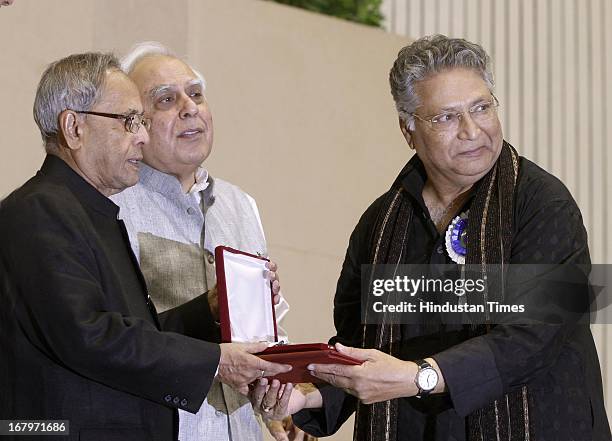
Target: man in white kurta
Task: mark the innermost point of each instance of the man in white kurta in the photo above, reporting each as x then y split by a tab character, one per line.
177	214
174	234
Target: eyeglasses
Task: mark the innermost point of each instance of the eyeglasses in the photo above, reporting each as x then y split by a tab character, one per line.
133	120
480	113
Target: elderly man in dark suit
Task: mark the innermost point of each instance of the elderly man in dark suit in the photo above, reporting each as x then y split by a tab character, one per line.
80	337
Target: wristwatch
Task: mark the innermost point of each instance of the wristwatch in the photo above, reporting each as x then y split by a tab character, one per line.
426	378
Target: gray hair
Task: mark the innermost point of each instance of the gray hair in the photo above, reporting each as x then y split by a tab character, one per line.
75	83
151	49
429	55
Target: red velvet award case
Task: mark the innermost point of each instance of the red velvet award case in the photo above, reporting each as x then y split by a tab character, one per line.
246	314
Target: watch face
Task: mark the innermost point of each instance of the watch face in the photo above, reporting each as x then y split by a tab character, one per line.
428	379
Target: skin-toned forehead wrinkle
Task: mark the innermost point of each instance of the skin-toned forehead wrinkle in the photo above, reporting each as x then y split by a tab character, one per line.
148	49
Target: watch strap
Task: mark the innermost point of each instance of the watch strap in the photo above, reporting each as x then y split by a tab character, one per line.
422	364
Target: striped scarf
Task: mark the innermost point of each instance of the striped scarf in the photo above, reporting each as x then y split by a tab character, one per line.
489	233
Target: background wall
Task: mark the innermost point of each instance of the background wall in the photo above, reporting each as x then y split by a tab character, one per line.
303	117
553	65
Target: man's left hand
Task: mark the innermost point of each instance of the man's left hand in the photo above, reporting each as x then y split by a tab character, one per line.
381	377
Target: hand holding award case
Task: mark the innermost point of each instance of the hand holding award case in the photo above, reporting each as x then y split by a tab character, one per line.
246	314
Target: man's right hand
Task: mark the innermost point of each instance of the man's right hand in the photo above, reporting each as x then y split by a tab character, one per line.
239	368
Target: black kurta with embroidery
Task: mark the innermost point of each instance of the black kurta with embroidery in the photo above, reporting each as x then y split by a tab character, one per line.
558	362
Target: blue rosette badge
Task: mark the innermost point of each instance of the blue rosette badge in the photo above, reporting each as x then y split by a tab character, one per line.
456	238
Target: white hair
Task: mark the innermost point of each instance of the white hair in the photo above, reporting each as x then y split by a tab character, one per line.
150	49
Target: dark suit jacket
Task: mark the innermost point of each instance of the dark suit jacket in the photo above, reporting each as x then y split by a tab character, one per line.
79	338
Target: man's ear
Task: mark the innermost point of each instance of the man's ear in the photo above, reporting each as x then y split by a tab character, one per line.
71	129
406	132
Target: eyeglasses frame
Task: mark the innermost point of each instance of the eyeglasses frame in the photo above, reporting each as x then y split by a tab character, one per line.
494	102
146	122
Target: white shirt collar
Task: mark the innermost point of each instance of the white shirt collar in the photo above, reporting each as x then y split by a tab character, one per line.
201	181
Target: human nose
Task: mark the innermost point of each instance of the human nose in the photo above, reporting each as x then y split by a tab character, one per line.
468	129
142	136
188	107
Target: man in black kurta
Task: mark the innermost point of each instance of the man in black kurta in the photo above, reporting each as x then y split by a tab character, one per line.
465	198
558	362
